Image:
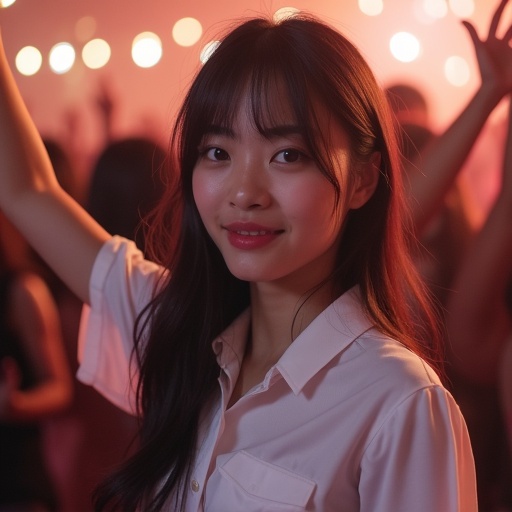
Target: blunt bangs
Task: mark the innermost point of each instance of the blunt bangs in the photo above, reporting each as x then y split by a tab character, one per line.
260	61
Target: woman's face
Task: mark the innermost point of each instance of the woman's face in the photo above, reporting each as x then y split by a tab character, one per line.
265	203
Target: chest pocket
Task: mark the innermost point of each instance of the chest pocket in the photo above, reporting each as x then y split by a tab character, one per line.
266	485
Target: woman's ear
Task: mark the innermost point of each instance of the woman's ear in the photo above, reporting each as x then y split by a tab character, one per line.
366	182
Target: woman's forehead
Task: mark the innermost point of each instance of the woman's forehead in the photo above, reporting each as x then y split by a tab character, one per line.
268	108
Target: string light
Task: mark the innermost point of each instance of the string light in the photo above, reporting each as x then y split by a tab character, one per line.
283	13
28	60
371	7
404	46
462	8
146	50
187	31
208	50
62	58
96	53
147	47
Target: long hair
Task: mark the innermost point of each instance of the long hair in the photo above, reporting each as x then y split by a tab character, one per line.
178	370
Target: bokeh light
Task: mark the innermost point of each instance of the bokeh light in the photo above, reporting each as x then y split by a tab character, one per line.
371	7
187	31
462	8
96	53
456	71
405	47
435	8
85	28
6	3
284	12
62	58
208	50
28	61
146	50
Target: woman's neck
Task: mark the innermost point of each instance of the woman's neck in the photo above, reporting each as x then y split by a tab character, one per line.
278	316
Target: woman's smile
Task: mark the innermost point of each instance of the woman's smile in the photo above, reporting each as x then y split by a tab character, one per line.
250	236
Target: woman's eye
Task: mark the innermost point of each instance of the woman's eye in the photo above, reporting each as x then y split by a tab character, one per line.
216	154
289	156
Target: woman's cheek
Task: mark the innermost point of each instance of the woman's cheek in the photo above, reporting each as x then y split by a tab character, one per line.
207	190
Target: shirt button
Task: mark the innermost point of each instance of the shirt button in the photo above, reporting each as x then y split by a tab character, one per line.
194	485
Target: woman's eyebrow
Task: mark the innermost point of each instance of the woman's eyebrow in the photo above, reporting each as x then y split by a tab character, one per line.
284	130
271	132
216	129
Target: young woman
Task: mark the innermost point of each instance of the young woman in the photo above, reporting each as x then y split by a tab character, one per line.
278	346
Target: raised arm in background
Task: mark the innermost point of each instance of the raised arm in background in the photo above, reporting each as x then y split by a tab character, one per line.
51	221
441	160
478	323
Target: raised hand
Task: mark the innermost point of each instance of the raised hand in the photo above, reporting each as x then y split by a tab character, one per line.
494	54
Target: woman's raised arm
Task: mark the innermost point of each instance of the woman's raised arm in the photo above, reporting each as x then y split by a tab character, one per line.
53	223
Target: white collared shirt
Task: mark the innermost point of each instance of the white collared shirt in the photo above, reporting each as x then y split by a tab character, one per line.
347	420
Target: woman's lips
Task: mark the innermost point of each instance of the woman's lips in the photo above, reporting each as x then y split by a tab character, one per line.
248	236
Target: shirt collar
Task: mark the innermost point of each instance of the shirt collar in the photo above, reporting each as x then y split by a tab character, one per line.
323	339
229	347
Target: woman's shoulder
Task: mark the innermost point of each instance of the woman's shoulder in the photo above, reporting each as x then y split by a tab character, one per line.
377	355
120	264
118	248
394	365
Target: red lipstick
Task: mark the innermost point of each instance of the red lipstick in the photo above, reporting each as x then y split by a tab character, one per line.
249	236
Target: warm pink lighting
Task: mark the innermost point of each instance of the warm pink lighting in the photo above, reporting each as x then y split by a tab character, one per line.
369	23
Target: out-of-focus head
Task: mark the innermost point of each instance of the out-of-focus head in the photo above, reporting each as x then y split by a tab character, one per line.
126	185
409	104
415	137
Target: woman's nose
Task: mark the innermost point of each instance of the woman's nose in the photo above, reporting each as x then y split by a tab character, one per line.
249	187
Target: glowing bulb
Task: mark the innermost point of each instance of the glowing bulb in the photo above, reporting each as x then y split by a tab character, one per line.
96	53
62	58
187	31
405	47
208	50
435	8
146	50
28	61
283	13
371	7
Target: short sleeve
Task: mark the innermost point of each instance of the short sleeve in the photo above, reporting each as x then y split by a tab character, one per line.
420	459
121	285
